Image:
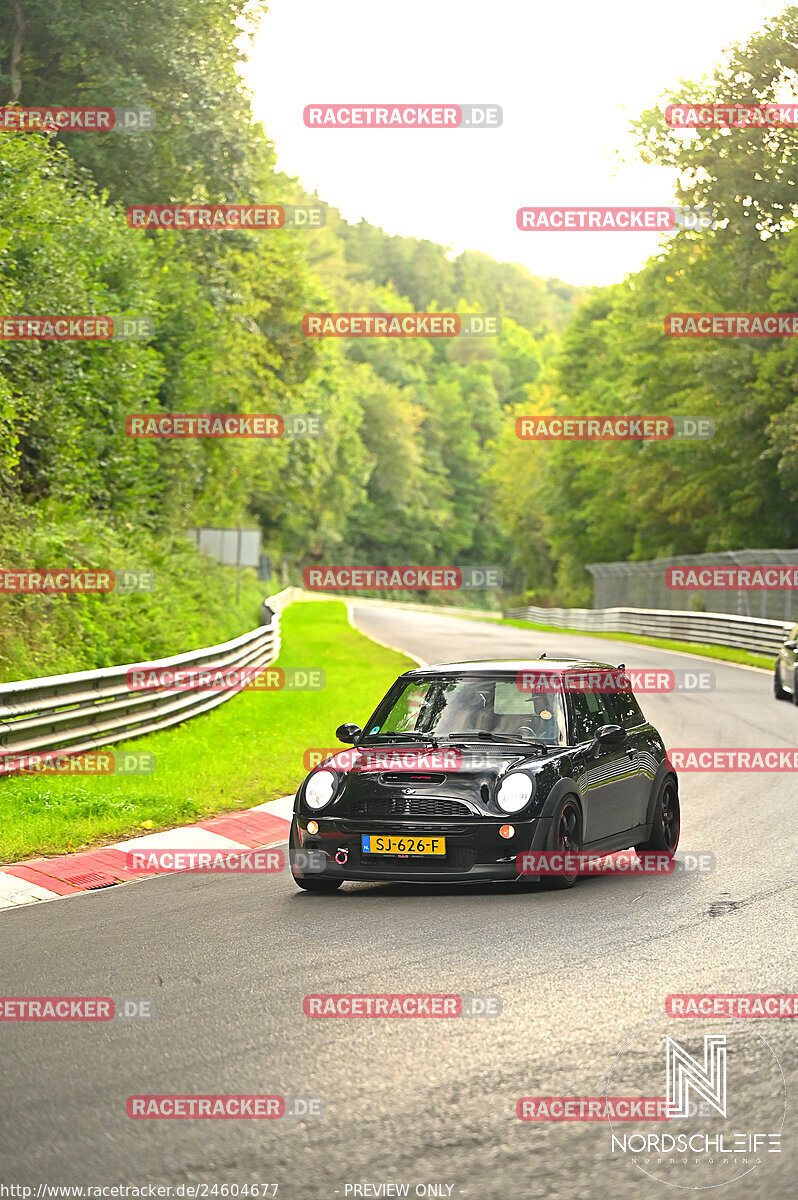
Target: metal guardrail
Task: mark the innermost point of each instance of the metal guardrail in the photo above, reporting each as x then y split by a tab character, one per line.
290	594
759	635
79	712
720	629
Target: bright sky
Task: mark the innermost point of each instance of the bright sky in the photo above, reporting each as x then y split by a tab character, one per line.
569	75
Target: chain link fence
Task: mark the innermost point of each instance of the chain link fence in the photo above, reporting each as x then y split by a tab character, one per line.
642	585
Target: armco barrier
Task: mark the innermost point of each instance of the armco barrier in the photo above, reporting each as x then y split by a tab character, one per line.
757	634
79	712
290	594
720	629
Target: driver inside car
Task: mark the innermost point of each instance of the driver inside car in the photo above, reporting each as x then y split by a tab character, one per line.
542	718
539	721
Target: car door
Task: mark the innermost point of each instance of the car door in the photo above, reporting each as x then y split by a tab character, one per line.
612	783
643	741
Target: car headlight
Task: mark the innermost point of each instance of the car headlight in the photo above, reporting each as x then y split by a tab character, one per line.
319	789
514	793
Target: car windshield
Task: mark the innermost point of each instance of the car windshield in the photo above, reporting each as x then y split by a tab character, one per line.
478	708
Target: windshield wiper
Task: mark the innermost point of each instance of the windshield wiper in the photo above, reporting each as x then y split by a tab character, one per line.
520	741
505	739
400	737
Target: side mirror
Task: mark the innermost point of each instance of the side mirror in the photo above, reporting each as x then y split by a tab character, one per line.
789	645
611	735
348	732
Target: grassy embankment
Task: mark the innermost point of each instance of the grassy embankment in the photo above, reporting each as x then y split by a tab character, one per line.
247	751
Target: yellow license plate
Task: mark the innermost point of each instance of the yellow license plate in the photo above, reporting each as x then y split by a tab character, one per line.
373	844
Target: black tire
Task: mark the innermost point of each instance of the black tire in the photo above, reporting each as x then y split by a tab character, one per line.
666	826
778	690
309	884
565	833
794	696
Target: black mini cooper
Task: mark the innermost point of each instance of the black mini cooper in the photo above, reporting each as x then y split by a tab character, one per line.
464	766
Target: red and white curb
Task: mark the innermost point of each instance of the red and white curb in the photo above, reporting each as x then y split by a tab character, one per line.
87	870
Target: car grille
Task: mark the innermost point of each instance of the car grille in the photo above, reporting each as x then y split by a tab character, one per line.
409	806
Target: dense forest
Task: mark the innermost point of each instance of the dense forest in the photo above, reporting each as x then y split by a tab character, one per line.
419	462
613	501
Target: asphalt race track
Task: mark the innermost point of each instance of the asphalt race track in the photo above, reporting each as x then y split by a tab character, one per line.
228	960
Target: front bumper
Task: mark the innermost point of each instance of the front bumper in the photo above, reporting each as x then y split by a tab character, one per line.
475	852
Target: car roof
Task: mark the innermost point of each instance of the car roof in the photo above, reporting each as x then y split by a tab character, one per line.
507	666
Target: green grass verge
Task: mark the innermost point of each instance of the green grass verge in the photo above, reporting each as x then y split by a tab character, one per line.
193	603
724	653
247	751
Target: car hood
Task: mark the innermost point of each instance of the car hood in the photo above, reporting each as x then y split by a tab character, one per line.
417	764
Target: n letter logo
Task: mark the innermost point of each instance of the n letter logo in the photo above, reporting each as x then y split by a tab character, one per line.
684	1072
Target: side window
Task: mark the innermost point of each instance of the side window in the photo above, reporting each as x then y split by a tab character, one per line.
590	712
625	708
